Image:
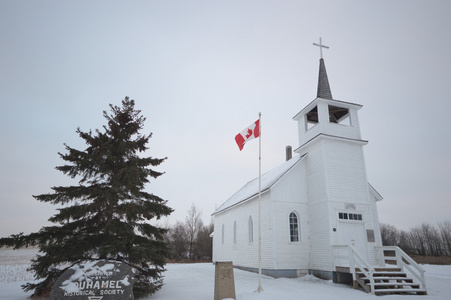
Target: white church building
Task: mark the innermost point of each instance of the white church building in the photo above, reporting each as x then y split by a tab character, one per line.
314	206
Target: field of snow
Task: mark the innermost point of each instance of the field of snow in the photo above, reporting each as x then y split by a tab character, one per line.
196	281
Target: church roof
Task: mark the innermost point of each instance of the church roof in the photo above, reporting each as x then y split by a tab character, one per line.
250	189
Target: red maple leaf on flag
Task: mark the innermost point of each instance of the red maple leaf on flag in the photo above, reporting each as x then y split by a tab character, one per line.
249	133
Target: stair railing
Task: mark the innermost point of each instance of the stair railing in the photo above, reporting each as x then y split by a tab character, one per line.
356	261
404	261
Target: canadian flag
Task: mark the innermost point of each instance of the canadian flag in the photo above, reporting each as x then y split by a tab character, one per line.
250	133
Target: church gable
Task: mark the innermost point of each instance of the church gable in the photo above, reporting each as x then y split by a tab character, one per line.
251	189
292	186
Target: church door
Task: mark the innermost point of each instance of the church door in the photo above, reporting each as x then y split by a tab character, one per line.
353	233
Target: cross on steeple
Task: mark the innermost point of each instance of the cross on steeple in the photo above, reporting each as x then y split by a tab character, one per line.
321	46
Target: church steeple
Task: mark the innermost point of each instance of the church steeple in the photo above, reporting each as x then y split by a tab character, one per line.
323	83
325	116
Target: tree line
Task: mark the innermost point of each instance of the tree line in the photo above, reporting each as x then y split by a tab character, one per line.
424	239
190	240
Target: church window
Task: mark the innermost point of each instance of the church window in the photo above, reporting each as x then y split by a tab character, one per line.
234	232
349	216
222	241
339	115
311	118
251	230
294	227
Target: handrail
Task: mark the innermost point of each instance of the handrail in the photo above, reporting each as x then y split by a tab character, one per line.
356	260
401	258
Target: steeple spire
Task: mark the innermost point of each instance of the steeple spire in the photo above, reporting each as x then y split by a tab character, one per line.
323	82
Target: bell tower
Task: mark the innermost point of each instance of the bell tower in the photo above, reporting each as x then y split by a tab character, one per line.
325	115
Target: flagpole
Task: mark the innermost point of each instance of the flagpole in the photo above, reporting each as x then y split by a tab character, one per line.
260	289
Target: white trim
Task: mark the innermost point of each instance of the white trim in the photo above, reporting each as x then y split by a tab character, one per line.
330	137
317	100
375	193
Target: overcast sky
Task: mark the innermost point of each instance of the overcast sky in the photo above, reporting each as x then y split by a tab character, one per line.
201	71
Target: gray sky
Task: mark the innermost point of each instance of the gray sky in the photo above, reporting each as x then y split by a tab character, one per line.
200	71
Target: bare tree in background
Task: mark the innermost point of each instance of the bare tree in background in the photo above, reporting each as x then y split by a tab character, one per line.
424	239
193	223
178	238
445	233
390	235
418	242
203	246
405	242
432	237
191	239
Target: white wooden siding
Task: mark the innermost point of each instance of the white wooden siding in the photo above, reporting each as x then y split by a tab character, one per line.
243	253
290	194
345	171
377	232
291	255
320	251
292	187
316	173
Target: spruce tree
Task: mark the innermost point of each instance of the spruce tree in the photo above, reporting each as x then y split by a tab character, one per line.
105	216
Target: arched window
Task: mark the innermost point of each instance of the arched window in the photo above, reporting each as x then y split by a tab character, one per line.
294	227
222	234
251	230
234	232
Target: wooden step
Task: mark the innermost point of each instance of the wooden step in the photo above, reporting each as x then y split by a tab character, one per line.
385	274
411	284
382	269
399	274
401	291
387	269
396	285
388	278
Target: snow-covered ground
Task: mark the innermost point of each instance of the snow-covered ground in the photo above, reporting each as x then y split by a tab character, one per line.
196	281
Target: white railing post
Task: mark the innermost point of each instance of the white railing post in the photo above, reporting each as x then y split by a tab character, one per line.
351	263
399	261
363	265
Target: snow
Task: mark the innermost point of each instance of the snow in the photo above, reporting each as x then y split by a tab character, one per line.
89	269
125	281
252	187
196	281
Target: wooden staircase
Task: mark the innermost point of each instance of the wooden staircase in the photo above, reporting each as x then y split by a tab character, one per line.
388	280
390	277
